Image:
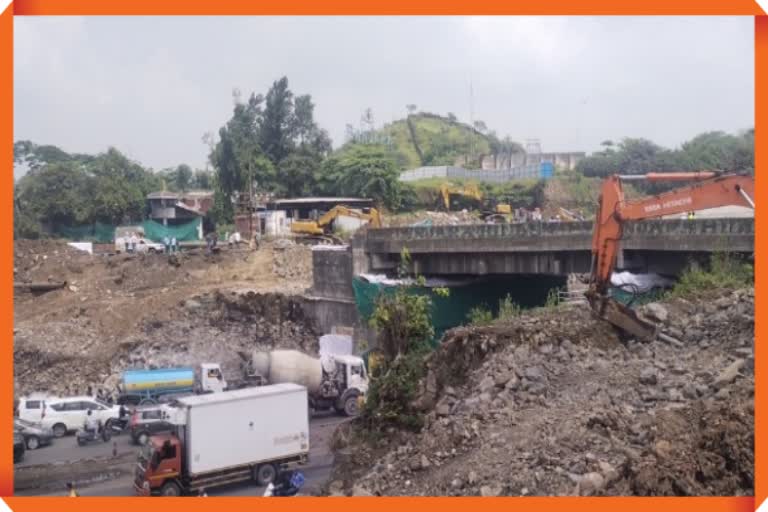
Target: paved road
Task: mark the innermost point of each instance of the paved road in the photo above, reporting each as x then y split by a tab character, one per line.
65	450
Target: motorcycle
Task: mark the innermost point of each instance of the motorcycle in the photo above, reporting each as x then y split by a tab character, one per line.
88	436
286	484
117	426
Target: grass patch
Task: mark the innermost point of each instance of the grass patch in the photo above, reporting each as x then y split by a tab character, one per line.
725	270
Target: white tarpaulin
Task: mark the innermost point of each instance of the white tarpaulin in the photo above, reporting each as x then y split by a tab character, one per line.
643	282
83	246
336	344
430	282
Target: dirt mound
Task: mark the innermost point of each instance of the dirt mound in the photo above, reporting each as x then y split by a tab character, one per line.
116	308
208	328
554	404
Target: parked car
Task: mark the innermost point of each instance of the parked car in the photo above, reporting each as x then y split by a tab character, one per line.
18	447
149	421
64	415
32	408
35	435
143	245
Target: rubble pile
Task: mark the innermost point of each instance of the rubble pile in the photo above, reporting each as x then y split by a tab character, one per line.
46	260
435	218
292	261
147	309
553	403
208	328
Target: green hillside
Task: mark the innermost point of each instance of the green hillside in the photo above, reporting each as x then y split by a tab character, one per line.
434	140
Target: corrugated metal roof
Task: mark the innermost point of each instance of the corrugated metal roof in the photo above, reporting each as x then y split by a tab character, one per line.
300	200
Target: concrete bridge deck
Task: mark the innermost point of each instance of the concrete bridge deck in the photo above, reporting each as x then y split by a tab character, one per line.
553	248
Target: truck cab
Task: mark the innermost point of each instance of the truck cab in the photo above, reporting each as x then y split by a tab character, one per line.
159	469
355	385
211	378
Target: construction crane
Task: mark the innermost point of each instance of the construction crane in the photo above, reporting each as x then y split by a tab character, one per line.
712	189
321	229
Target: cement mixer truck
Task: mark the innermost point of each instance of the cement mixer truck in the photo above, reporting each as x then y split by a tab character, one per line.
332	381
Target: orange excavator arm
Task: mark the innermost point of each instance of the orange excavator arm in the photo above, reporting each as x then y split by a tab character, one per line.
710	190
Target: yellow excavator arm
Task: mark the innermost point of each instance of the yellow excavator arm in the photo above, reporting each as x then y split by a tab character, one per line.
470	190
322	225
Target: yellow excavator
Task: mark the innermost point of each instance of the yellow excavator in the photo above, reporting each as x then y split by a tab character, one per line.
491	210
470	191
321	230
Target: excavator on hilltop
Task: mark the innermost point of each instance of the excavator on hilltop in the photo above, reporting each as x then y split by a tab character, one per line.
490	210
321	230
469	191
710	190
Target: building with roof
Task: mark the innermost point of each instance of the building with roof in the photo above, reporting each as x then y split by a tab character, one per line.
174	209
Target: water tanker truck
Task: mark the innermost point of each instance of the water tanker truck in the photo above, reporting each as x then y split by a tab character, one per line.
141	387
332	381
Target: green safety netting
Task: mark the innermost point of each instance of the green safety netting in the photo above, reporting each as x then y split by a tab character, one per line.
450	311
105	233
97	232
183	232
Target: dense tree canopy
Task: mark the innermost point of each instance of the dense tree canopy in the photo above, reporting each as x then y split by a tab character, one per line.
711	150
63	189
363	170
271	140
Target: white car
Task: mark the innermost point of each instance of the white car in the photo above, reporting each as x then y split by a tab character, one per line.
142	246
63	415
32	408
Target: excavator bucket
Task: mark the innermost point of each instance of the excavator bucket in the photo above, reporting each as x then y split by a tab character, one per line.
622	317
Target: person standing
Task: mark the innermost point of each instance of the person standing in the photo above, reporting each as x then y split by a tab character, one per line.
174	245
72	491
167	244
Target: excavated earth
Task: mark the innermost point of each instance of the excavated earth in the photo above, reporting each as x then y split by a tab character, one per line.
554	403
143	311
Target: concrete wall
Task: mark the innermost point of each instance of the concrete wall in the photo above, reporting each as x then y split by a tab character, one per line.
528	171
332	274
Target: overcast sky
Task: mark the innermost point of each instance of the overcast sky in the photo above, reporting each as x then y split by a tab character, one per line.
152	86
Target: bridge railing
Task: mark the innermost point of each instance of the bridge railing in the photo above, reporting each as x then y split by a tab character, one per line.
661	227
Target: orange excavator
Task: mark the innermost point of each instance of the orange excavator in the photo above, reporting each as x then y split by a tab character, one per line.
710	190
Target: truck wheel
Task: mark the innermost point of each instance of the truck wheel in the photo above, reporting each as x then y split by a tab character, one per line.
147	401
170	489
265	474
33	443
142	438
351	407
80	441
59	430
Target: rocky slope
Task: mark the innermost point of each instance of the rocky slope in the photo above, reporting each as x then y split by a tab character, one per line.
553	403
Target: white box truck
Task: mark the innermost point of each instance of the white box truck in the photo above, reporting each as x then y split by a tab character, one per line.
228	437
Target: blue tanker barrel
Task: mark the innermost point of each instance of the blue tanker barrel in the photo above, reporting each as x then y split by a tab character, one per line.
547	170
166	379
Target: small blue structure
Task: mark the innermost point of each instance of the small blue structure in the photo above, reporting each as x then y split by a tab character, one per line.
546	170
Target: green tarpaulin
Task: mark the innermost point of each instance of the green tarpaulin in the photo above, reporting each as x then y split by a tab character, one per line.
97	232
452	311
105	233
186	232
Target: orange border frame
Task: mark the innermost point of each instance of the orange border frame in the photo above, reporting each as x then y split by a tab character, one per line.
380	7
